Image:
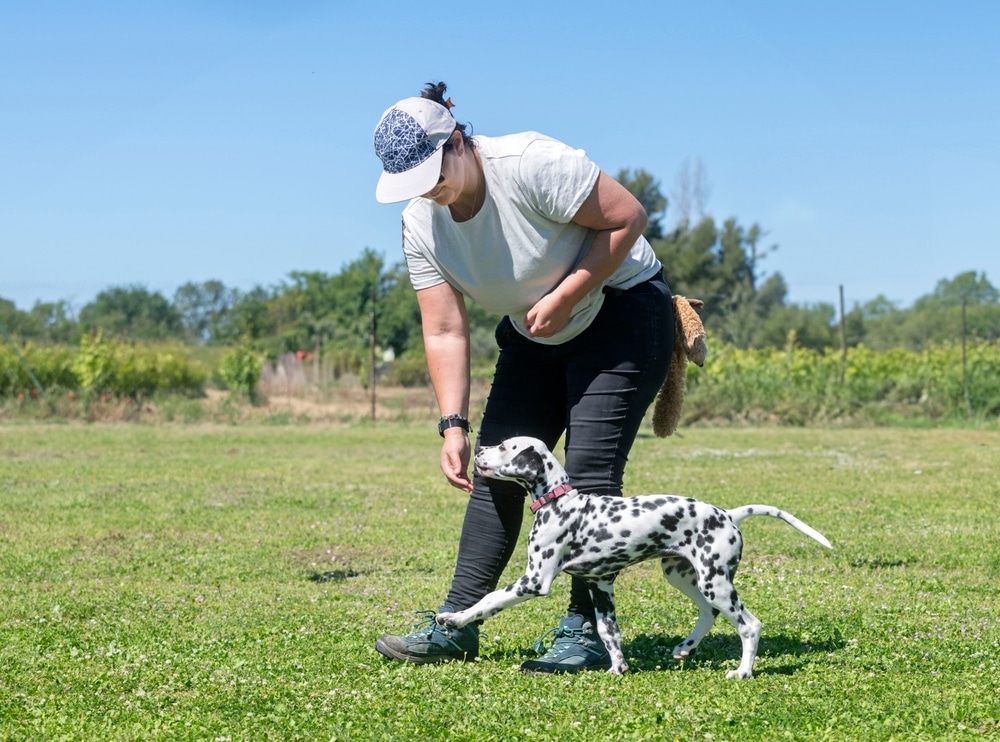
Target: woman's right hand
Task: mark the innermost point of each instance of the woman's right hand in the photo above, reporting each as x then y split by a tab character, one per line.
455	454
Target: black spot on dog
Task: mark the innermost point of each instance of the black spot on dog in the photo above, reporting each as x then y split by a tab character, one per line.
669	522
602	534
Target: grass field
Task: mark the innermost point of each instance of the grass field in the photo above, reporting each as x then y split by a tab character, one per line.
229	582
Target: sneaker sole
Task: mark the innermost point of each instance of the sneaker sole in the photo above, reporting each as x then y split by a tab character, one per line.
387	651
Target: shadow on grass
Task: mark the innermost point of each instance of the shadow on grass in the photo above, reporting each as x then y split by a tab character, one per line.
336	575
647	652
654	653
882	562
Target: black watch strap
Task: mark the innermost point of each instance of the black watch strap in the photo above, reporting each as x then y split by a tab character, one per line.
453	421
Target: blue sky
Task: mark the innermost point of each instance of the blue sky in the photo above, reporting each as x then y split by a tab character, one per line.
157	143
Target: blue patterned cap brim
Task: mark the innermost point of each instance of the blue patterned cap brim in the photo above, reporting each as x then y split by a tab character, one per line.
409	140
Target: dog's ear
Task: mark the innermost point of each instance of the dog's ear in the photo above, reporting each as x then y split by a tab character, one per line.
528	464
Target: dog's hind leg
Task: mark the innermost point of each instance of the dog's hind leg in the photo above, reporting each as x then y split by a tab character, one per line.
721	593
682	576
602	592
748	627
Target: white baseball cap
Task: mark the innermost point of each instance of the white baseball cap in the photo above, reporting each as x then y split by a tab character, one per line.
409	139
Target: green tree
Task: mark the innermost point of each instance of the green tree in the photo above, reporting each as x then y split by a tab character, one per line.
722	267
813	326
47	322
973	287
398	316
936	317
646	189
133	311
57	322
340	303
311	310
689	259
203	309
17	323
249	319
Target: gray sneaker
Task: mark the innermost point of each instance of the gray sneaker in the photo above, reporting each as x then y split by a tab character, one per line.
429	642
576	648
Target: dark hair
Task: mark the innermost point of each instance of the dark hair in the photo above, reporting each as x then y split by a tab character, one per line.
435	91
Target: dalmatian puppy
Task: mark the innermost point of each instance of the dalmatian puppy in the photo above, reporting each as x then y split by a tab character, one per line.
595	537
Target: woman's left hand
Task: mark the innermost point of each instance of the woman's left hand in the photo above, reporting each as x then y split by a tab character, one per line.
618	220
548	316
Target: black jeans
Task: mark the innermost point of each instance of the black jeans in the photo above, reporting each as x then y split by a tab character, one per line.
596	388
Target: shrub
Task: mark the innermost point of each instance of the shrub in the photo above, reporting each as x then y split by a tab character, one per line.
240	371
100	366
409	370
51	365
132	370
795	385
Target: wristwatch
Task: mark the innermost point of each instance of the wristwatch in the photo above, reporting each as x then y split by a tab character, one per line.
453	421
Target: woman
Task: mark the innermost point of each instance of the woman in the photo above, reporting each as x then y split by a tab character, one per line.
531	229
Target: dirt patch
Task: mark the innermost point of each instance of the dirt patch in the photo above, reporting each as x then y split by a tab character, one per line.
331	405
351	405
356	404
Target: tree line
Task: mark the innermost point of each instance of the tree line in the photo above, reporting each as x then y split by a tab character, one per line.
721	263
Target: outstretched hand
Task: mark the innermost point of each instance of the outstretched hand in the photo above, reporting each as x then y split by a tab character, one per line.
455	455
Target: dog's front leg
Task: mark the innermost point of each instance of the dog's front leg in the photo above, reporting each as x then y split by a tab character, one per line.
531	585
602	592
489	606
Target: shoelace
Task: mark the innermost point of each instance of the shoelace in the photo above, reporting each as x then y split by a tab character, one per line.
426	625
561	632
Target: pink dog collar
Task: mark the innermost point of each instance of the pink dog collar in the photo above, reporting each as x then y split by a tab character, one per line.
562	489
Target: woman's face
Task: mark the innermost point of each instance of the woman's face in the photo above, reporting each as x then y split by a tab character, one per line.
452	178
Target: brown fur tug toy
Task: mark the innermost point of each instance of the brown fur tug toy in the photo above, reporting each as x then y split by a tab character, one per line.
689	345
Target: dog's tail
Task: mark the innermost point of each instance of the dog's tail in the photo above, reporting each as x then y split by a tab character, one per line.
746	511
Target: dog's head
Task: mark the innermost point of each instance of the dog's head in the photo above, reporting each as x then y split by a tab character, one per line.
520	459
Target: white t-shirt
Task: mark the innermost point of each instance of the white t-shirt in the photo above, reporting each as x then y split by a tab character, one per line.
522	242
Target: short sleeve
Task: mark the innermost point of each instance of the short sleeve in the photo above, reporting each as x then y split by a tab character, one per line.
555	178
423	273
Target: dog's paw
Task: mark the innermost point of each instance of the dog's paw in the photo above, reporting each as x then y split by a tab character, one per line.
740	674
446	619
683	651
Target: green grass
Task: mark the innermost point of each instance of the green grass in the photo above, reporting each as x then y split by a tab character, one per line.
228	583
